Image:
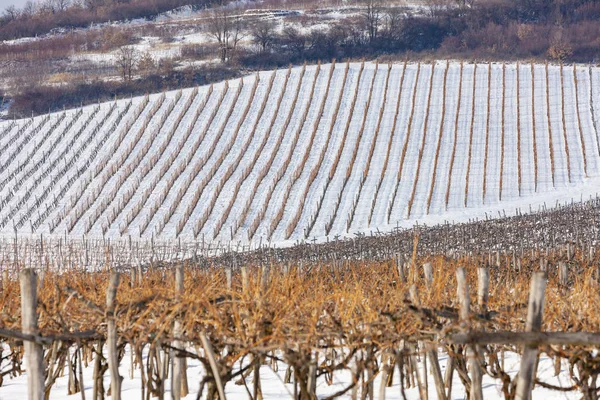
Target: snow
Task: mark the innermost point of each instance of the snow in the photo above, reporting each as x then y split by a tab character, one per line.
54	179
273	386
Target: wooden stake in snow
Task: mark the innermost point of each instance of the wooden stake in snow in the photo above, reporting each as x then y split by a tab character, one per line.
465	305
535	311
34	353
111	339
177	387
213	365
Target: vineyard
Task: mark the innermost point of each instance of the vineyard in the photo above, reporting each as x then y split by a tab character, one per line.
318	151
370	318
497	308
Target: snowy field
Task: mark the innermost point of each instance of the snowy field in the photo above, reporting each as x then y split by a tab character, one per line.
314	152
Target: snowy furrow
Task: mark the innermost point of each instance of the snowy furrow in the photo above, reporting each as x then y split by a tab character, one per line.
66	191
381	85
342	97
219	102
20	164
588	128
307	154
171	151
389	180
262	161
384	137
319	129
478	144
263	108
16	197
525	121
292	145
107	166
6	128
221	142
546	171
284	182
263	152
377	104
22	129
351	168
336	172
24	161
432	132
239	130
510	170
399	207
446	142
147	224
456	191
44	162
494	133
562	150
48	171
13	151
576	147
148	144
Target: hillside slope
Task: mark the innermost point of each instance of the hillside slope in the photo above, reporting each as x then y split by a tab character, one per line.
310	152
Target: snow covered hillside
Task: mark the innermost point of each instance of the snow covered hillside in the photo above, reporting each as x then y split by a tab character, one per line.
314	151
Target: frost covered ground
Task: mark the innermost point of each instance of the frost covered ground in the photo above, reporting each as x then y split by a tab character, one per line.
307	153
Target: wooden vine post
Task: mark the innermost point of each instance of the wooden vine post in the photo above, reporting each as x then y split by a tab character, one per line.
535	311
179	387
483	288
476	392
34	353
111	336
431	349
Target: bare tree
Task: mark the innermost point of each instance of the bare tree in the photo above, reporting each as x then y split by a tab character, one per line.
126	61
295	41
228	28
93	5
372	18
263	34
28	9
392	24
10	13
146	64
61	5
435	7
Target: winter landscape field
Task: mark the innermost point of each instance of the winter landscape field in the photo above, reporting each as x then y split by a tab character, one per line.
313	152
312	199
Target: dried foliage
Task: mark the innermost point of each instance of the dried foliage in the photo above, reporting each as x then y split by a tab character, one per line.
352	315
